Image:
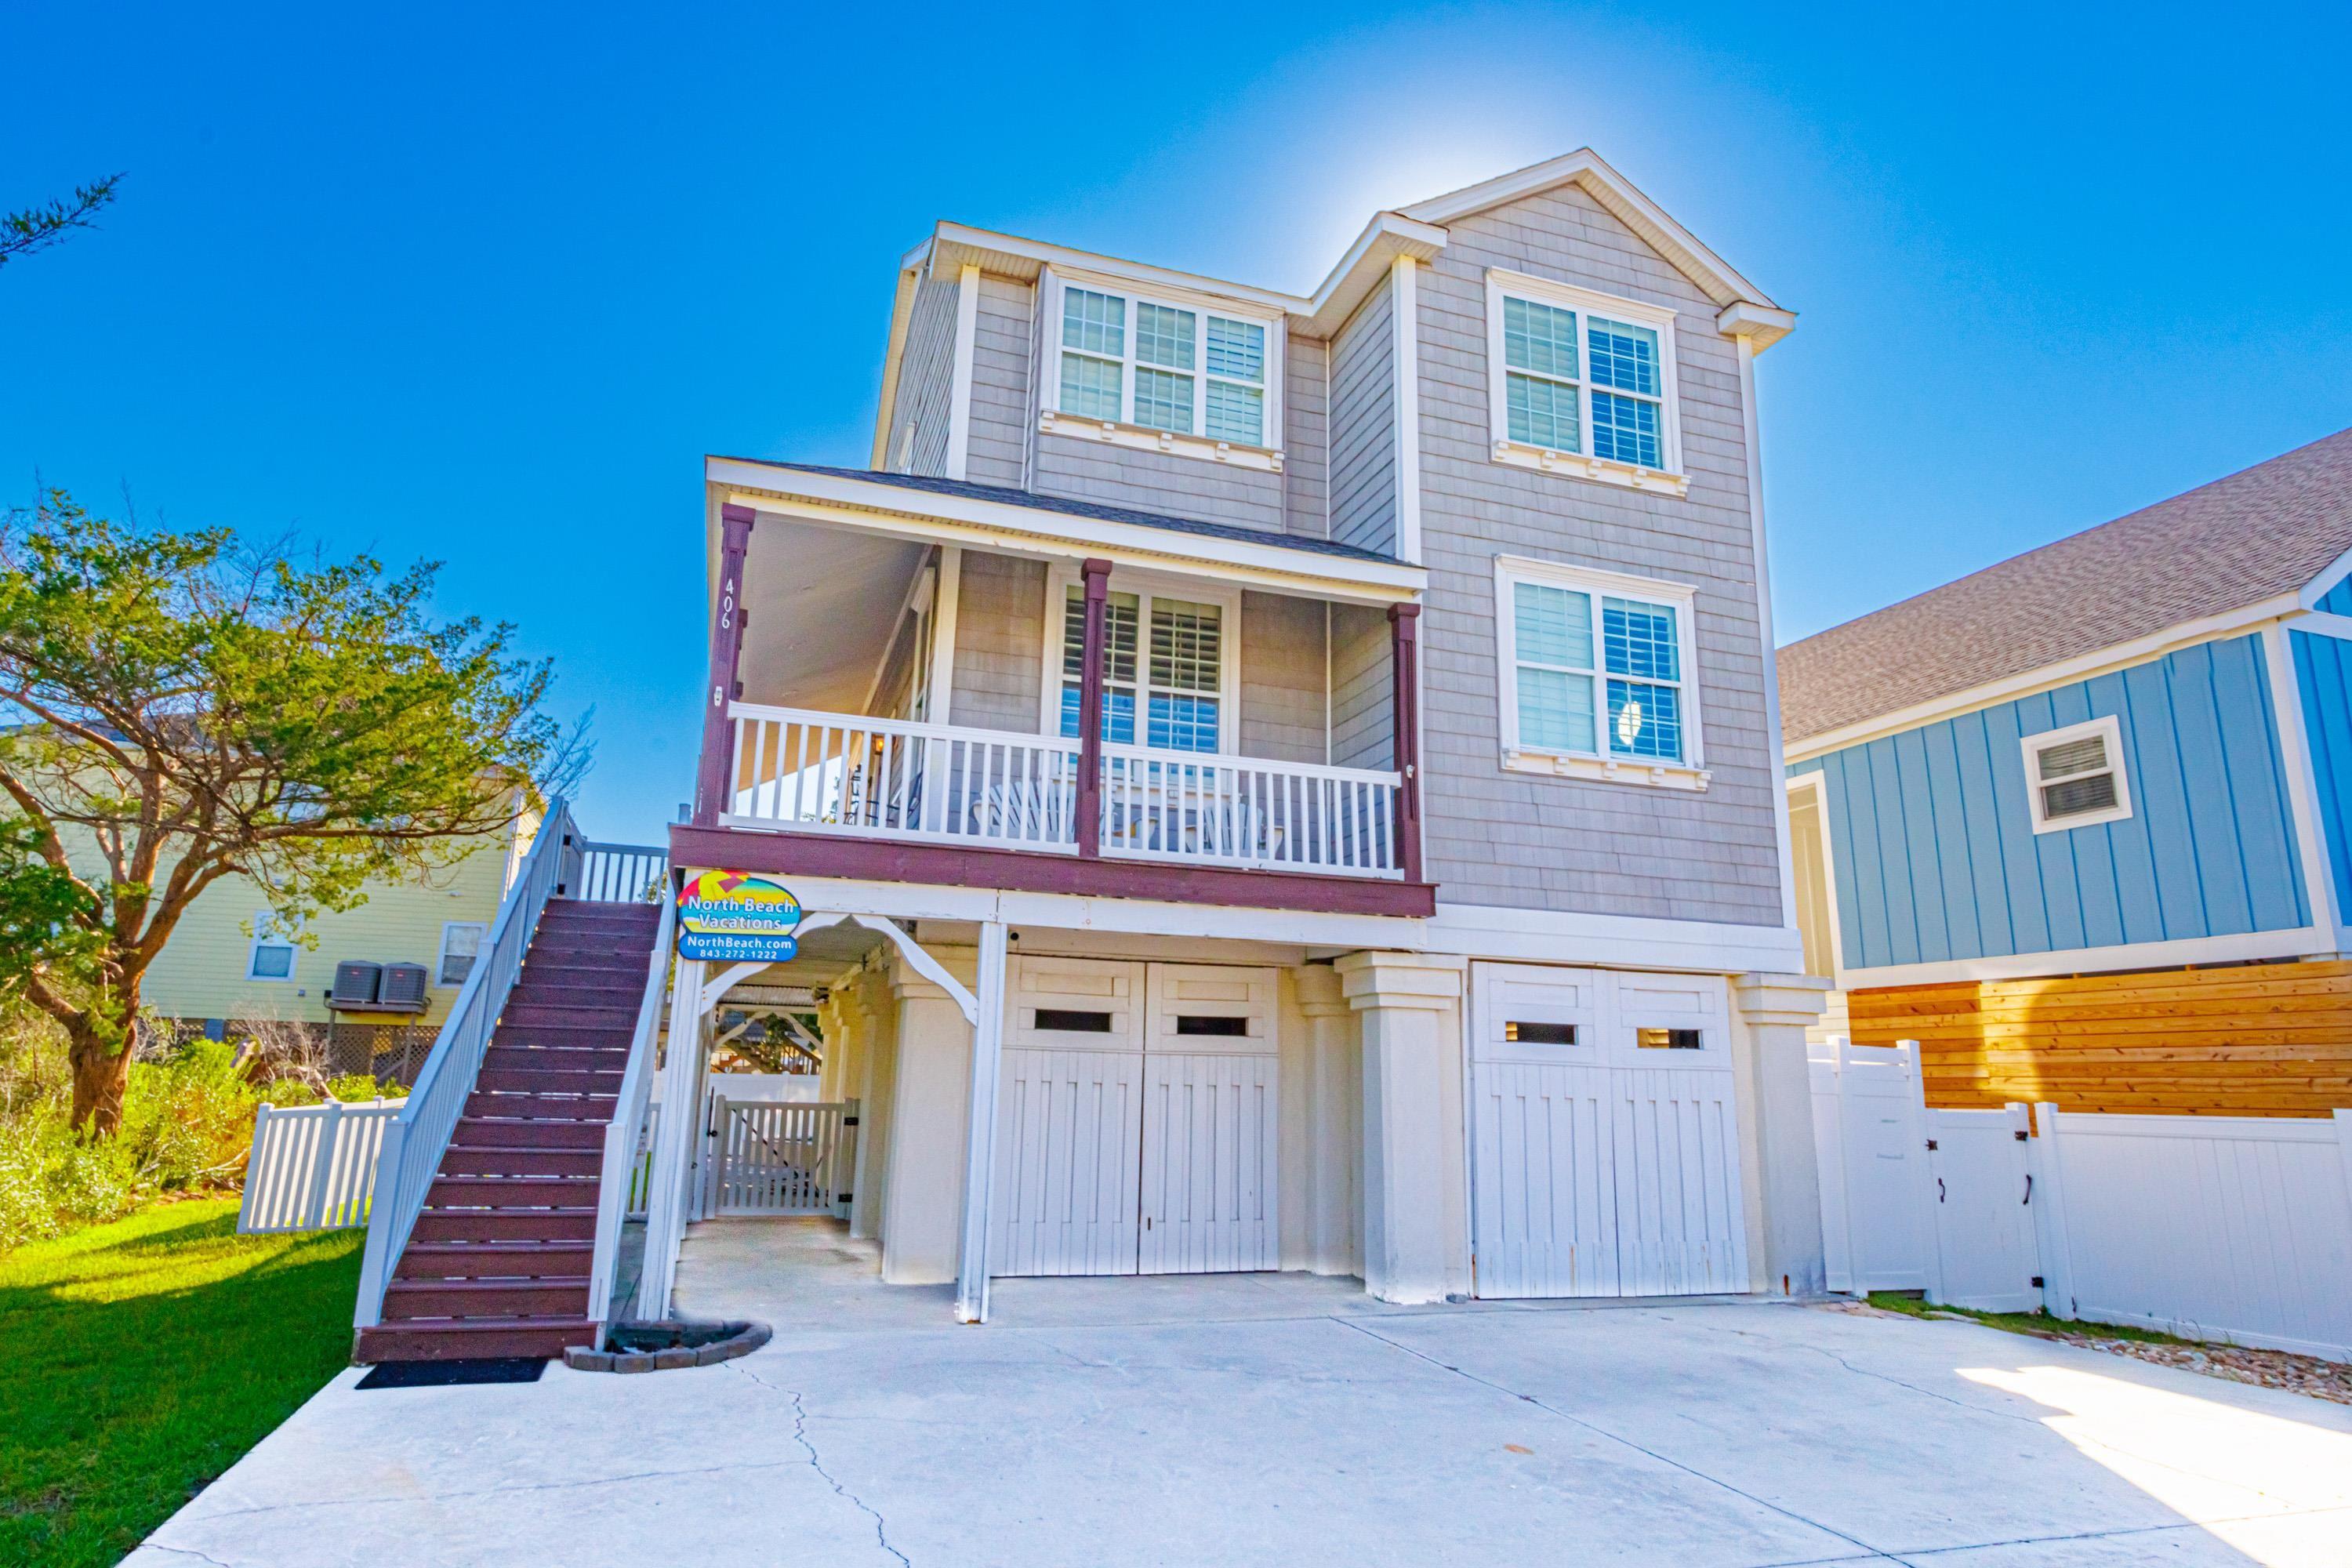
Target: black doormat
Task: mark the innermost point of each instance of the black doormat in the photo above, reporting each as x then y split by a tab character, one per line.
443	1373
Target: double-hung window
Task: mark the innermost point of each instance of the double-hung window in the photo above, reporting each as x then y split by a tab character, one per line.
1582	383
2075	776
1163	368
461	944
270	956
1165	669
1596	674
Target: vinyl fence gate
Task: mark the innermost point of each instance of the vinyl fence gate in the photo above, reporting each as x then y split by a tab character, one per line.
772	1157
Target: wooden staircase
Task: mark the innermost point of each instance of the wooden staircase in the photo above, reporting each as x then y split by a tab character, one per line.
497	1262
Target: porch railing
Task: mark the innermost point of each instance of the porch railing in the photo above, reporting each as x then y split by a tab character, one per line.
415	1140
617	873
895	779
619	1196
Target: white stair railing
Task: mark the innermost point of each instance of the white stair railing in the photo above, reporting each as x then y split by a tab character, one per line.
631	1109
415	1142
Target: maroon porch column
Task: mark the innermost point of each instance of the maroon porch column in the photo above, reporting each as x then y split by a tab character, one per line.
1090	709
1091	706
1404	648
714	780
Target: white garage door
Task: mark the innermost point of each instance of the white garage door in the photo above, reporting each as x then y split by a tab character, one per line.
1137	1120
1604	1134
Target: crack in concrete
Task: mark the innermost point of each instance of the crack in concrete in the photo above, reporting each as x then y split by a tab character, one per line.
184	1552
1879	1376
1873	1553
800	1436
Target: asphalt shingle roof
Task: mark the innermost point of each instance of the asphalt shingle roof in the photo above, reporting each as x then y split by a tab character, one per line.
2266	531
1068	507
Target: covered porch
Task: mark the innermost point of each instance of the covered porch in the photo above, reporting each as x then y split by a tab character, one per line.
947	685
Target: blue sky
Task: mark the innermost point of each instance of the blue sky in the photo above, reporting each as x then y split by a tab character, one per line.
482	285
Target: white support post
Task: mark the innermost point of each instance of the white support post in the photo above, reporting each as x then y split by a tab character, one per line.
980	1131
679	1124
1405	360
959	374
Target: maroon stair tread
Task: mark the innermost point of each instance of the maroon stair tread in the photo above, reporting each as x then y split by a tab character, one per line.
541	1106
495	1259
513	1225
556	1058
484	1133
529	1037
559	1080
544	1336
449	1191
405	1300
559	1015
468	1160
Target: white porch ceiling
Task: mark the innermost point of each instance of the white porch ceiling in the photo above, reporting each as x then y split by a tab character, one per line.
822	602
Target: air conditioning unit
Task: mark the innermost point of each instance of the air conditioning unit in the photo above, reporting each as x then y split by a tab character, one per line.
404	986
356	981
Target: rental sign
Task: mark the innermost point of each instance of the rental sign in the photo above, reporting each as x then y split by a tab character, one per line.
736	916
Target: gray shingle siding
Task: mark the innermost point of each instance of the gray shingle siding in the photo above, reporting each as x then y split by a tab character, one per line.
1362	709
1158	481
1000	643
1305	468
926	375
1282	715
1499	837
1363	427
1000	383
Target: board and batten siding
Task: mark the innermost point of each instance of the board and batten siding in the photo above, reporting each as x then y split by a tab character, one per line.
2336	601
926	380
1499	837
997	454
1363	428
1935	857
2323	671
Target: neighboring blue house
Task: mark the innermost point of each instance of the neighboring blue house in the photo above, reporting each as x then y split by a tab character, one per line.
2129	751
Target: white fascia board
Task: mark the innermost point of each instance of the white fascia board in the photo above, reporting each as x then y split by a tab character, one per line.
1367	265
2293	943
2317	588
1557	936
2319	622
993	525
1584	167
2139	650
902	311
1012	256
1762	325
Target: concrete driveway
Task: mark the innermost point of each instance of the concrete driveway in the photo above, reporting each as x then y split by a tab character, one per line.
1284	1420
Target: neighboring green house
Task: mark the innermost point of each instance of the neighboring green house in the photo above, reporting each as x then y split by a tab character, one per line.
229	966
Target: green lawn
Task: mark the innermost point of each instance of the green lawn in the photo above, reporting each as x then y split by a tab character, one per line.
2021	1322
139	1360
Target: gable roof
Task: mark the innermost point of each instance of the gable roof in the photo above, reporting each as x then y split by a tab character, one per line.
1587	170
2260	534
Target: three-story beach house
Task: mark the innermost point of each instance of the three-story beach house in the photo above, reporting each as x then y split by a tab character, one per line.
1275	781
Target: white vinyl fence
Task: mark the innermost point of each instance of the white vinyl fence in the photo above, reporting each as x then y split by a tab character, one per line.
313	1166
2212	1227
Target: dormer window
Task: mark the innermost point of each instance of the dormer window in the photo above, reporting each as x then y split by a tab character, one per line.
1583	384
1145	370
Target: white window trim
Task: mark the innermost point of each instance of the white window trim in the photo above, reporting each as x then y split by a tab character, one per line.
266	934
1052	421
2109	728
441	957
1691	772
1062	576
1668	479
